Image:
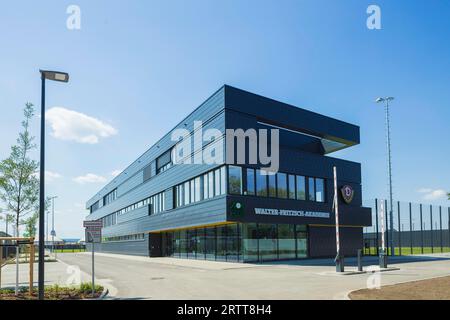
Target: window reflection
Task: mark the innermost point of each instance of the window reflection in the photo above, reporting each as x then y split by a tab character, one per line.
261	184
235	180
247	242
320	190
311	190
282	185
272	185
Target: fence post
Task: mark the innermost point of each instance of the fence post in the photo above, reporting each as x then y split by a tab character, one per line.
399	230
440	226
410	228
421	227
376	231
431	225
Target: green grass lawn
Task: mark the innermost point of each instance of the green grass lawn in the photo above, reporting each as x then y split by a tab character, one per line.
69	250
407	250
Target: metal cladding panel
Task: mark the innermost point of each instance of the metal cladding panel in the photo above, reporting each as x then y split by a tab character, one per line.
322	241
131	183
206	212
290	116
131	215
159	183
137	248
205	111
131	191
348	215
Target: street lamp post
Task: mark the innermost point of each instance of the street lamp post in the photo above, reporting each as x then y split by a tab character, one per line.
60	77
53	233
389	162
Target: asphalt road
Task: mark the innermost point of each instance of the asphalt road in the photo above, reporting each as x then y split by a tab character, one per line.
166	278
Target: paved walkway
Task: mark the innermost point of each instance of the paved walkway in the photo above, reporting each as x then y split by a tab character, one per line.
167	278
55	273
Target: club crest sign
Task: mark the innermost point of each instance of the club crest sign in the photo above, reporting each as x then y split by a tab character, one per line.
347	193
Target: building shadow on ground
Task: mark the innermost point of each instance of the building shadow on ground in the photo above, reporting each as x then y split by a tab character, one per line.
366	260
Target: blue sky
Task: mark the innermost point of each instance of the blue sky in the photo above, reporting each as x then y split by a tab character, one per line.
138	67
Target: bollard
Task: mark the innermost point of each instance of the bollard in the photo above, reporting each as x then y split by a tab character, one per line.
383	260
339	263
360	267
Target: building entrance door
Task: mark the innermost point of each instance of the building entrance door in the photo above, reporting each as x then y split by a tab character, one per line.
155	245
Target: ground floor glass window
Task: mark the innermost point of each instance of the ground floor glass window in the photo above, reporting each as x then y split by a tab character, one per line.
243	242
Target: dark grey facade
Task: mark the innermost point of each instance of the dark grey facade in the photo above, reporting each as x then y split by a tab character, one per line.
232	212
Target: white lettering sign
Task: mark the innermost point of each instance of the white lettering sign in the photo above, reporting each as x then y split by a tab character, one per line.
292	213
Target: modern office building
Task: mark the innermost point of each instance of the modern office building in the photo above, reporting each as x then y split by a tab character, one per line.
237	212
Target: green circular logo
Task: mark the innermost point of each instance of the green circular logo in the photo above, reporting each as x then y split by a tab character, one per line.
237	209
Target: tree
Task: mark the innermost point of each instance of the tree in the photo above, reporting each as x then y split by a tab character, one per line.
30	225
30	222
8	218
19	186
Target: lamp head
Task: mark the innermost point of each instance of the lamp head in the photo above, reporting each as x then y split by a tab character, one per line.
55	75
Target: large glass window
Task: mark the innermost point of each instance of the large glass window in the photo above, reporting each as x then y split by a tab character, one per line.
211	184
291	186
197	188
201	244
311	190
261	184
167	244
282	185
272	185
182	244
249	242
210	243
191	243
192	185
221	246
302	241
268	242
187	197
320	190
301	189
176	244
179	195
251	182
164	162
232	242
286	241
223	181
217	182
205	187
235	179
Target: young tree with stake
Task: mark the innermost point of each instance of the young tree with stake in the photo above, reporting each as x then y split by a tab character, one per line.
19	186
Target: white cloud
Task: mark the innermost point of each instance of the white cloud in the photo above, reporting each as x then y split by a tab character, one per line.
71	125
433	194
90	178
49	176
115	173
52	176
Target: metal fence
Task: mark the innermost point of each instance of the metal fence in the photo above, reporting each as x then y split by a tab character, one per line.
417	228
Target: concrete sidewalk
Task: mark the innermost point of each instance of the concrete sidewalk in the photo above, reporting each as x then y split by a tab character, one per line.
168	278
59	273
